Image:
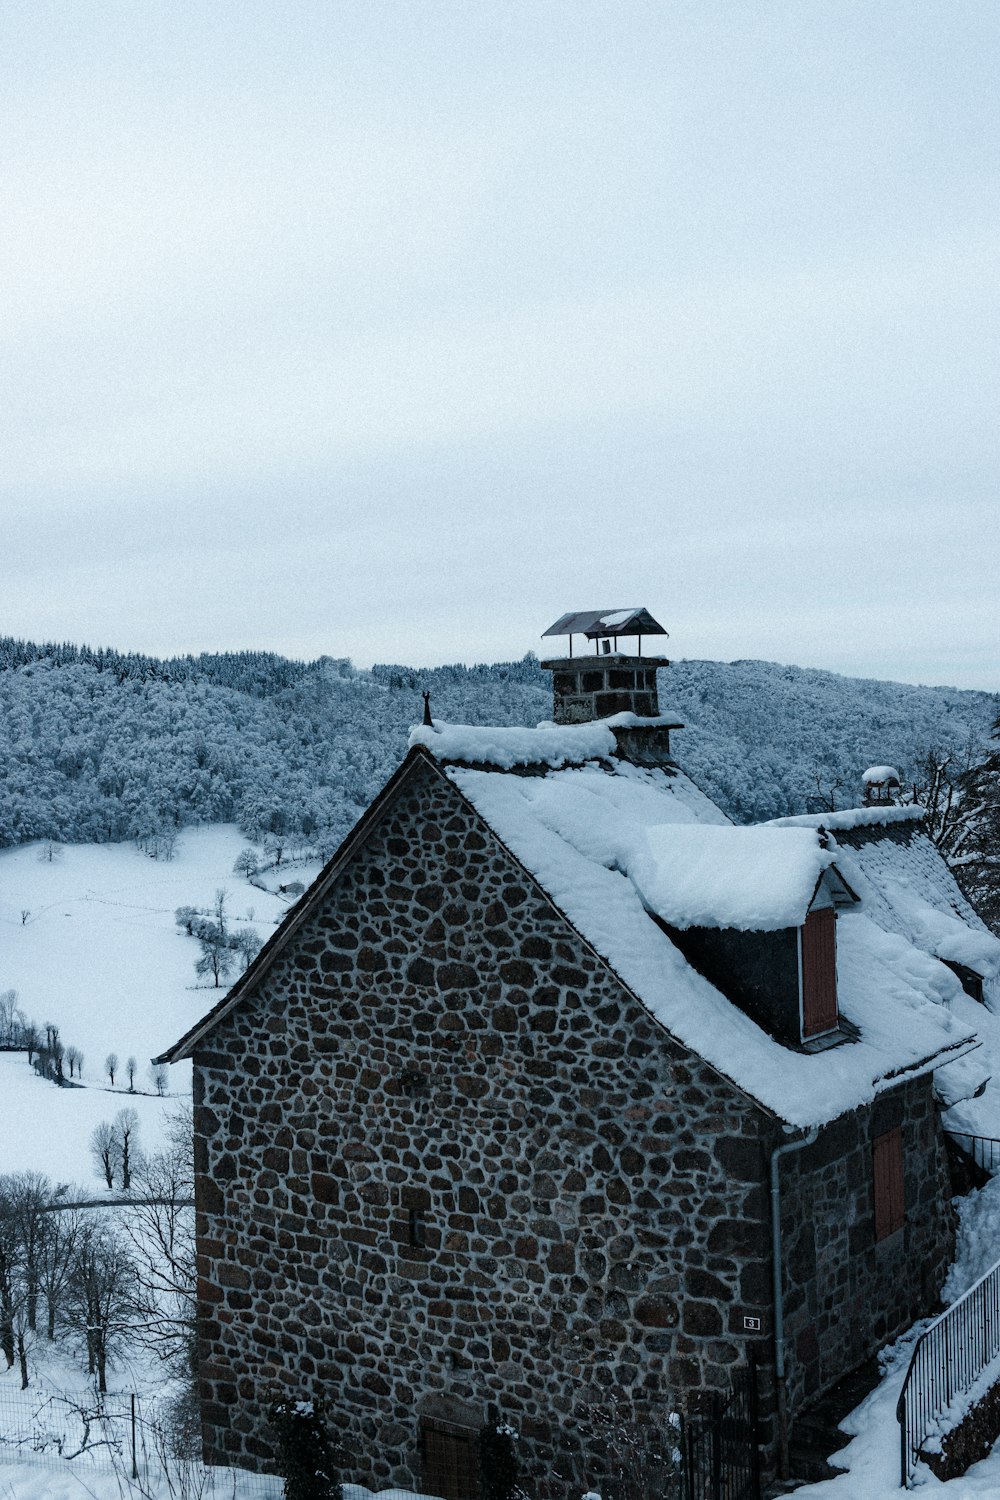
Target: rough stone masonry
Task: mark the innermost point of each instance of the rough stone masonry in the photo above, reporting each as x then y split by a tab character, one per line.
447	1163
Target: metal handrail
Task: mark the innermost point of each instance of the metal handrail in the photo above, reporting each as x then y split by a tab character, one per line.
947	1359
983	1149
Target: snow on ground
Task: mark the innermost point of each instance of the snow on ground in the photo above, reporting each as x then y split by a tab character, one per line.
47	1129
27	1481
100	953
871	1461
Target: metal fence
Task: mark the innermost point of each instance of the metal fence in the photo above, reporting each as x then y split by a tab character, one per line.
982	1150
947	1359
81	1431
721	1459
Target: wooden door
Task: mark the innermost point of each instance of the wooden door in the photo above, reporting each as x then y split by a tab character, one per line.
451	1463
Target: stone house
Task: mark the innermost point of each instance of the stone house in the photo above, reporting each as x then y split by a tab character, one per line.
557	1090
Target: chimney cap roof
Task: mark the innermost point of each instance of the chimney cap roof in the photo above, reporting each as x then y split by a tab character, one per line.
595	623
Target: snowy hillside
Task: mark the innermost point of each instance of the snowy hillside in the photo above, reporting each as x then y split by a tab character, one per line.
98	747
99	954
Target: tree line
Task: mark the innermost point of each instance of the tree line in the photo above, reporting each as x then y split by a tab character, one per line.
100	746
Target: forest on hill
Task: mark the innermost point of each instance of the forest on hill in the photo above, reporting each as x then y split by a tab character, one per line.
98	745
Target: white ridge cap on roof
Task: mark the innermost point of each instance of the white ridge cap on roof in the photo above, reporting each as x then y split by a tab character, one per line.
755	879
849	817
548	744
551	745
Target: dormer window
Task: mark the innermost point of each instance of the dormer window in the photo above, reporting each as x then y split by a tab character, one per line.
818	972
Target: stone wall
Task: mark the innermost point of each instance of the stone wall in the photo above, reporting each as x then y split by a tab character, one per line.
436	1055
845	1294
973	1439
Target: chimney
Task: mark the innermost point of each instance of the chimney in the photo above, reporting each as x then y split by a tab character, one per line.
605	679
880	784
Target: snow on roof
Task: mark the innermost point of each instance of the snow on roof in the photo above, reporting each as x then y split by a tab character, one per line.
580	831
941	932
851	817
756	879
906	885
880	776
548	744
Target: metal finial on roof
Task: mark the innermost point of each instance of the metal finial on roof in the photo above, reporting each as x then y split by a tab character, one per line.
427	711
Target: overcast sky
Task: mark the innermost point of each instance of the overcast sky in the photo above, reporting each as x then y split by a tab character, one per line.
395	330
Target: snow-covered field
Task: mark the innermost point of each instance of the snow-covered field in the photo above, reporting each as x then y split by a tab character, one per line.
99	954
47	1129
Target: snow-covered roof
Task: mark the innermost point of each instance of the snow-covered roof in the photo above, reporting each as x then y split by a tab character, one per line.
583	833
756	879
548	744
600	835
887	857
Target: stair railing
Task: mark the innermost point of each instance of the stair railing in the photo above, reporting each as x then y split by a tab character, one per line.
983	1149
948	1358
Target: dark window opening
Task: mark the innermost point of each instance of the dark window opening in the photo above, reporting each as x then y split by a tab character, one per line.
418	1230
888	1184
819	972
971	982
450	1461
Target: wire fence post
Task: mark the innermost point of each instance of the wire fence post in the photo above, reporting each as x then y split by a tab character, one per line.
135	1466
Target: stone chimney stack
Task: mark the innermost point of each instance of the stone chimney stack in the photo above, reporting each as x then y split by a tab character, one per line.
606	680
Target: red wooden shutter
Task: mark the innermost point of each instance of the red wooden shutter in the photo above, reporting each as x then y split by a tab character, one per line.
819	972
887	1174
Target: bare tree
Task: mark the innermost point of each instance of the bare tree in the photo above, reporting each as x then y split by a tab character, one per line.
248	945
158	1077
219	911
216	957
111	1066
126	1132
106	1151
160	1232
131	1067
825	795
30	1194
9	1288
12	1021
639	1446
99	1301
59	1247
31	1039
